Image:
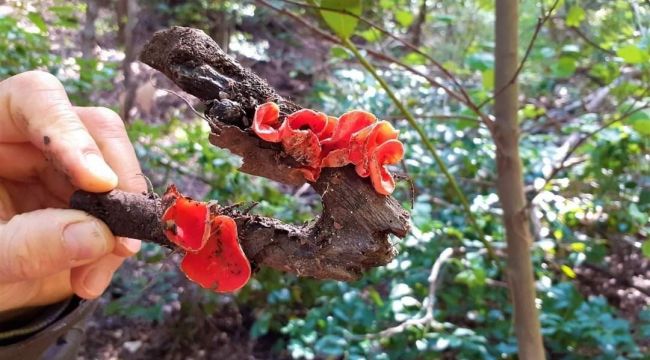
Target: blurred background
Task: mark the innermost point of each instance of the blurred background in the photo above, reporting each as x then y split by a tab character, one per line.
589	184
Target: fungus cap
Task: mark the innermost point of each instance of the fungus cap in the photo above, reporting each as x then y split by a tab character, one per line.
221	265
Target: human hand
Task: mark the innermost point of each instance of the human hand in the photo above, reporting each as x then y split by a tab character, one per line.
48	149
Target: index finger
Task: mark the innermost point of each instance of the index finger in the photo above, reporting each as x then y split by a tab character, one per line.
34	107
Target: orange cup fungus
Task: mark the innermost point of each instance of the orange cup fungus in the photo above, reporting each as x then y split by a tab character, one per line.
214	258
316	141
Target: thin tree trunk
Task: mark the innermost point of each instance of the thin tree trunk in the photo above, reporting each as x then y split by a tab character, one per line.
129	58
88	33
416	27
510	184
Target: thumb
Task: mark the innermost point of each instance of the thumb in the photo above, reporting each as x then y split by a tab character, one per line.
44	242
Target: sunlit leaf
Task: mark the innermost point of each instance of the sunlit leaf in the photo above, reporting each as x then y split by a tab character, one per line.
404	18
37	20
565	67
568	271
343	25
578	247
339	52
488	79
632	54
371	35
575	16
640	122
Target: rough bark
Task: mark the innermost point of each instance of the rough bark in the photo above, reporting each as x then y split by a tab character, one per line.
510	185
350	236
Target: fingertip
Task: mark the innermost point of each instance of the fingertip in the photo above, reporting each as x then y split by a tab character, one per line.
100	177
127	247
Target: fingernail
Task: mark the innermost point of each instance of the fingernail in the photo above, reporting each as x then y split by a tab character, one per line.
99	168
131	246
96	281
85	240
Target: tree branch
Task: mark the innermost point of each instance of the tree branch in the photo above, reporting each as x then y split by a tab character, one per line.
428	319
563	163
351	234
540	23
463	97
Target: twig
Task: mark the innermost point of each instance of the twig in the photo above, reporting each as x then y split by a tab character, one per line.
407	44
438	117
463	97
562	164
416	27
331	38
591	42
428	319
540	23
425	140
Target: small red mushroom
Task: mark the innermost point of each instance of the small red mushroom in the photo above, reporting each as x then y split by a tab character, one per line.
336	148
364	142
328	130
348	124
387	153
298	134
316	141
185	221
221	265
266	122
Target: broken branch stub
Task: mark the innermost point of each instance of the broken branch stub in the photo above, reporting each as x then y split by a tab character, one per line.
351	234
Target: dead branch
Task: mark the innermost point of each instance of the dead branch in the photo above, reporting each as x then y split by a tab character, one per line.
351	234
428	319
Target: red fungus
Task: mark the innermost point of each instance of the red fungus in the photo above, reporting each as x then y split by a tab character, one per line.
387	153
298	134
348	124
365	141
328	130
221	265
266	122
336	148
317	141
185	220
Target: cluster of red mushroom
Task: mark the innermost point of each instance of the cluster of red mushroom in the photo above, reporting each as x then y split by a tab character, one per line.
213	256
316	140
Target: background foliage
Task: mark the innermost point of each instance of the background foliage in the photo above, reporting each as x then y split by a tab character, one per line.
589	67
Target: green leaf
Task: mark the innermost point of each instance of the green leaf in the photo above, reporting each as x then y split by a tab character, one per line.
404	18
488	79
565	67
632	54
331	345
481	61
640	122
568	271
414	58
343	25
575	16
37	20
487	5
261	325
339	52
387	4
371	35
645	248
578	247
